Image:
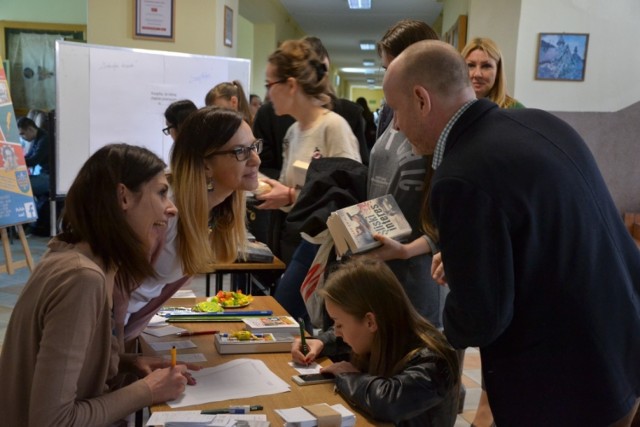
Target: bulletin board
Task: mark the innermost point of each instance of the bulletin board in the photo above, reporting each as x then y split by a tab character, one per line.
16	199
110	94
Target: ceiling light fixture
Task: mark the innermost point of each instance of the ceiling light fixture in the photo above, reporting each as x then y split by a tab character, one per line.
371	81
367	45
359	4
368	63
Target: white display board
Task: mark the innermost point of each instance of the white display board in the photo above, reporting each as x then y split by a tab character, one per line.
109	94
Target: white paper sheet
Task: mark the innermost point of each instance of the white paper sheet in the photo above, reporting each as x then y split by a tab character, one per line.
197	419
240	378
163	331
312	368
188	357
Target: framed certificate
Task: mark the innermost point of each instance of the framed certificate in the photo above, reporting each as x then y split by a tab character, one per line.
228	26
154	20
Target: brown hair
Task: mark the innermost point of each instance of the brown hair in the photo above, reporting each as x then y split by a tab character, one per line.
227	90
201	134
498	92
362	286
92	212
297	59
403	34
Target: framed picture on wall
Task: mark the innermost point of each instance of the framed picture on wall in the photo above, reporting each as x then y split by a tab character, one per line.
154	20
562	56
228	26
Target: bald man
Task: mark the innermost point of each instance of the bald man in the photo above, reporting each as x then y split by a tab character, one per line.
544	277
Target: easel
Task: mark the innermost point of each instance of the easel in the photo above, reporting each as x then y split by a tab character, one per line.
11	265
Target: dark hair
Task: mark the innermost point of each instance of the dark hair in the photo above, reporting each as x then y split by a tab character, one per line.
203	133
178	111
25	123
92	211
318	47
403	34
361	101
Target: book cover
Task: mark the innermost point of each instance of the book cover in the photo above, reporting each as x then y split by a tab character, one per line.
258	343
256	252
273	324
355	225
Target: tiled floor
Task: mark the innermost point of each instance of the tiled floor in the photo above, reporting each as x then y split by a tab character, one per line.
11	286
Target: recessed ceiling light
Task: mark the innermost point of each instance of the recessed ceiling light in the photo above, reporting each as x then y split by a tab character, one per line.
359	4
368	63
371	81
367	45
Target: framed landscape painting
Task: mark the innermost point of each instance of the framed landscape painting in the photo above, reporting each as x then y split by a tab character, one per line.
562	56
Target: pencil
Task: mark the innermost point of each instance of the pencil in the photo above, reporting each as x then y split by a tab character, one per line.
174	356
190	333
303	342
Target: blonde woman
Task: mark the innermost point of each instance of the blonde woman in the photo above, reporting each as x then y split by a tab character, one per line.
214	160
486	71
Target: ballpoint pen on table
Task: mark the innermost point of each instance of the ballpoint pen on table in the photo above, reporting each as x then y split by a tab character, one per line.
240	409
190	333
303	341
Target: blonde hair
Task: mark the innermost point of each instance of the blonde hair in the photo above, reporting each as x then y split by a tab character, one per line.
498	92
205	236
227	90
298	59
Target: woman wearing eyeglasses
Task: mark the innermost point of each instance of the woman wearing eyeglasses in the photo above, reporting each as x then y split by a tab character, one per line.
175	114
213	161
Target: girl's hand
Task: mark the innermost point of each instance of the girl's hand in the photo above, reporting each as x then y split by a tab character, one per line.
315	347
340	368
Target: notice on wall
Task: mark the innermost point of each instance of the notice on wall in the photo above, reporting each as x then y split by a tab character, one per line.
16	199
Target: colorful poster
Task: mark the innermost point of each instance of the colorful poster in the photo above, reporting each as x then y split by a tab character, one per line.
16	200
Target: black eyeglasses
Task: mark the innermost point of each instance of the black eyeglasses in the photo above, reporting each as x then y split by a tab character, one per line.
268	85
242	153
166	130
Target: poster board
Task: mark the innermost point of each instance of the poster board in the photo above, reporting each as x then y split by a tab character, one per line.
16	199
109	94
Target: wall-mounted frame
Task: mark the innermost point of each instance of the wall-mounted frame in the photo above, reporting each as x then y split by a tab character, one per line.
228	26
562	56
457	34
154	20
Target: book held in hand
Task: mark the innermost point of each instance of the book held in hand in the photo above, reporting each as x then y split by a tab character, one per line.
353	227
273	325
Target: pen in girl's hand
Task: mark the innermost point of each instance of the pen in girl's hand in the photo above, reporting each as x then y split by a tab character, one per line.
303	342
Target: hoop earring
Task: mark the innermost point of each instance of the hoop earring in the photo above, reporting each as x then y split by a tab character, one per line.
209	185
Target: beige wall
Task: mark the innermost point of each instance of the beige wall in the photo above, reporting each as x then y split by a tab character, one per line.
374	97
199	26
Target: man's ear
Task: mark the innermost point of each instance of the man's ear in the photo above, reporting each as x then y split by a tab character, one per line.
423	99
123	196
370	319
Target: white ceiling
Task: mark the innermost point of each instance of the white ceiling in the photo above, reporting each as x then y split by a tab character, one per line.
342	29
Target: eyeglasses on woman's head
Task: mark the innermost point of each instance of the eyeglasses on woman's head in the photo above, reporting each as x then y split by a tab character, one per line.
242	153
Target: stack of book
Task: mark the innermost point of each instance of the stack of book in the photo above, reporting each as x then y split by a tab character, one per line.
272	325
256	343
353	227
308	416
